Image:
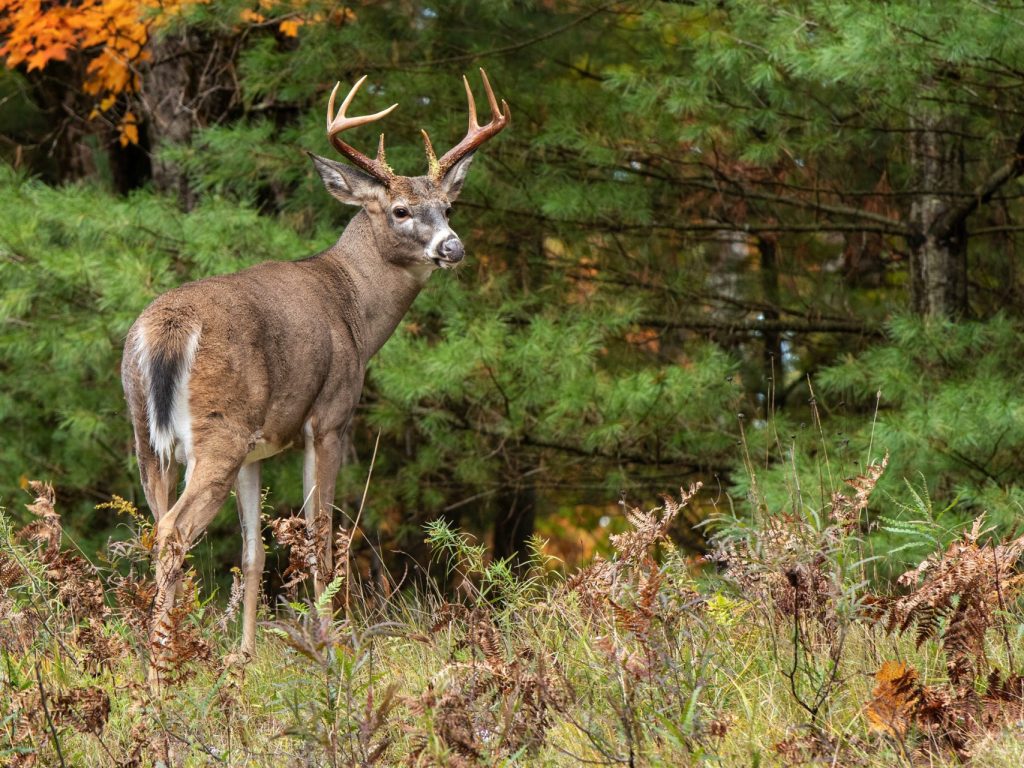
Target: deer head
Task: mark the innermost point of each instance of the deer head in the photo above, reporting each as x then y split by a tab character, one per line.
409	214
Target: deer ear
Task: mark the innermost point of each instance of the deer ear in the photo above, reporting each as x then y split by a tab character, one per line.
347	184
452	181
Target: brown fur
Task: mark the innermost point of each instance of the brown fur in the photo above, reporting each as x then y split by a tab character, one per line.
281	355
222	373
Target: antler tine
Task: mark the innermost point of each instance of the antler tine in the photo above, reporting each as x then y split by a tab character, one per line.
475	133
378	168
474	122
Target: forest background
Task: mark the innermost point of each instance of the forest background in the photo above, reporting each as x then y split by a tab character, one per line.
717	236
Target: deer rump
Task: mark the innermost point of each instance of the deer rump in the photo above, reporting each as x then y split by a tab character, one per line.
258	364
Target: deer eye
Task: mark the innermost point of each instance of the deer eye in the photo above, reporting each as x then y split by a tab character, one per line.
448	212
401	213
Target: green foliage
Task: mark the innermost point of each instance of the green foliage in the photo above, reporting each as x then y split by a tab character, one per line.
679	180
530	371
946	401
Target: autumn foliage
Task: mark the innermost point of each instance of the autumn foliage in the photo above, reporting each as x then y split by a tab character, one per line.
109	41
108	36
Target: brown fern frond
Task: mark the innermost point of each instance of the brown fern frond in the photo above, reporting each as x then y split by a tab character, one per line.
631	620
293	533
84	709
965	585
77	585
181	641
101	650
484	635
648	527
846	511
964	638
134	597
18	625
47	529
1003	702
11	572
447	614
650	584
805	748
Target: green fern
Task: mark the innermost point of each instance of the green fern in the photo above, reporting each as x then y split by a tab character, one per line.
323	604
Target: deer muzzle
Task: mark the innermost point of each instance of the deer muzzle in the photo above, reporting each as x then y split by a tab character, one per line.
451	250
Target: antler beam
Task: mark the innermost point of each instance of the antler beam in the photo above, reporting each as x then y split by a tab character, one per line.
475	133
377	168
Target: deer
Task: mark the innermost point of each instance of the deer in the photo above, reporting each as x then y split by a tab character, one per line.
225	372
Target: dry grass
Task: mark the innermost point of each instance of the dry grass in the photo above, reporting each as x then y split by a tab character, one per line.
779	657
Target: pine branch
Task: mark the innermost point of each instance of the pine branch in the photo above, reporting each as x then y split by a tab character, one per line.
767	326
724	227
955	216
742	190
501	51
688	464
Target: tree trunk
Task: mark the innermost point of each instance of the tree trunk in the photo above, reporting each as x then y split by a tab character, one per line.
188	84
938	251
58	151
514	521
773	370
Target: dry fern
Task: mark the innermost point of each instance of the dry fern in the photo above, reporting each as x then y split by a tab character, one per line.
648	528
955	597
180	641
846	511
897	696
293	533
483	711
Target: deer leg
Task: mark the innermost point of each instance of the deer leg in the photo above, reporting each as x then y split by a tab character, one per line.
247	493
208	487
159	484
319	473
329	452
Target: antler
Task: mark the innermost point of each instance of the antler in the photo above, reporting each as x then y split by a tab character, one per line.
475	134
378	168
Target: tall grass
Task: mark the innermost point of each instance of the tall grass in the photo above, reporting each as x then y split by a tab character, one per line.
773	650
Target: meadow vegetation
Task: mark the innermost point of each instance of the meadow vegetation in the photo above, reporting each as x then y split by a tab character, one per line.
767	246
777	648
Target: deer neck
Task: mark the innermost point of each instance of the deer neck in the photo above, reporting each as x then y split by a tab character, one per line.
382	291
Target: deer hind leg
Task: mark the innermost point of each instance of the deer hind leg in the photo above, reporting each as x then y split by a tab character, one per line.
159	481
247	493
209	483
323	454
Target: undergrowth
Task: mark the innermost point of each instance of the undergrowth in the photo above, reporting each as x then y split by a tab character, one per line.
776	649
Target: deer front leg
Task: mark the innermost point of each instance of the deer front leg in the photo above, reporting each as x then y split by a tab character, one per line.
320	473
247	493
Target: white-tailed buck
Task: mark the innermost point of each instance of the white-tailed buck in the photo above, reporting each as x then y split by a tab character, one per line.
224	372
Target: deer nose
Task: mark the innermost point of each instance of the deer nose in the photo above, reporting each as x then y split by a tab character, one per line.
451	249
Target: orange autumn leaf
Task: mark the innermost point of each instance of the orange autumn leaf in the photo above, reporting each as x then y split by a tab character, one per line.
896	698
129	128
290	27
342	16
41	58
111	38
111	35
